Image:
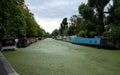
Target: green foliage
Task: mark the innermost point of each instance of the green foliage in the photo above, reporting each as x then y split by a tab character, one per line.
64	24
107	34
117	12
47	34
114	12
113	20
86	33
86	11
16	20
63	27
115	33
92	34
98	3
88	22
99	6
116	16
55	32
12	20
72	30
65	32
89	27
82	33
75	21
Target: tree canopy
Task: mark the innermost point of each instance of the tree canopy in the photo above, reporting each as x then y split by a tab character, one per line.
63	27
86	11
16	20
99	5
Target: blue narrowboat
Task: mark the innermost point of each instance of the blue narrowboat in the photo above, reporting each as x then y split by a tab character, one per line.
97	41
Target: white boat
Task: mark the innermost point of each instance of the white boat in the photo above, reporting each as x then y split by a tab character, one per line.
8	43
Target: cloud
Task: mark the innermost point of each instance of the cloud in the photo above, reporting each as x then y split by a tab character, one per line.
108	5
49	13
49	24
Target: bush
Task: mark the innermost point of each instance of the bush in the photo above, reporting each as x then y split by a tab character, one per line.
92	33
115	34
82	34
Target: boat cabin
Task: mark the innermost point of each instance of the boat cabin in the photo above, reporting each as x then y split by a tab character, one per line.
8	43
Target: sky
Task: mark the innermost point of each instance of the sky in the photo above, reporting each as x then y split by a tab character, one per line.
50	13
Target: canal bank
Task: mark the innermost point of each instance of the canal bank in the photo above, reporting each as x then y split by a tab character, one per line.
5	67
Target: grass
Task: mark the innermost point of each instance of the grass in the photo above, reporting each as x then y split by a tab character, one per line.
51	57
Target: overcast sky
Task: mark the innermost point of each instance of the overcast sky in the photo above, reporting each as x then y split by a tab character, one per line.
50	13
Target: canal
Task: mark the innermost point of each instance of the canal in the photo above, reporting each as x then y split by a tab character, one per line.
52	57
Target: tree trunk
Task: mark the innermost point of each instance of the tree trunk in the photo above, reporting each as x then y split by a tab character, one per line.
100	22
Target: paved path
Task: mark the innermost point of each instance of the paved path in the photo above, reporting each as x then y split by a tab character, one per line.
2	69
5	67
52	57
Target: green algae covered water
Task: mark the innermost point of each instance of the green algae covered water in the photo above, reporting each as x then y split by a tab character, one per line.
51	57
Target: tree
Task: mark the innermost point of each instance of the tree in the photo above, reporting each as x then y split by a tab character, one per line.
72	30
63	27
113	21
114	12
16	20
13	18
82	33
48	34
86	11
74	22
88	28
99	5
115	33
55	32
